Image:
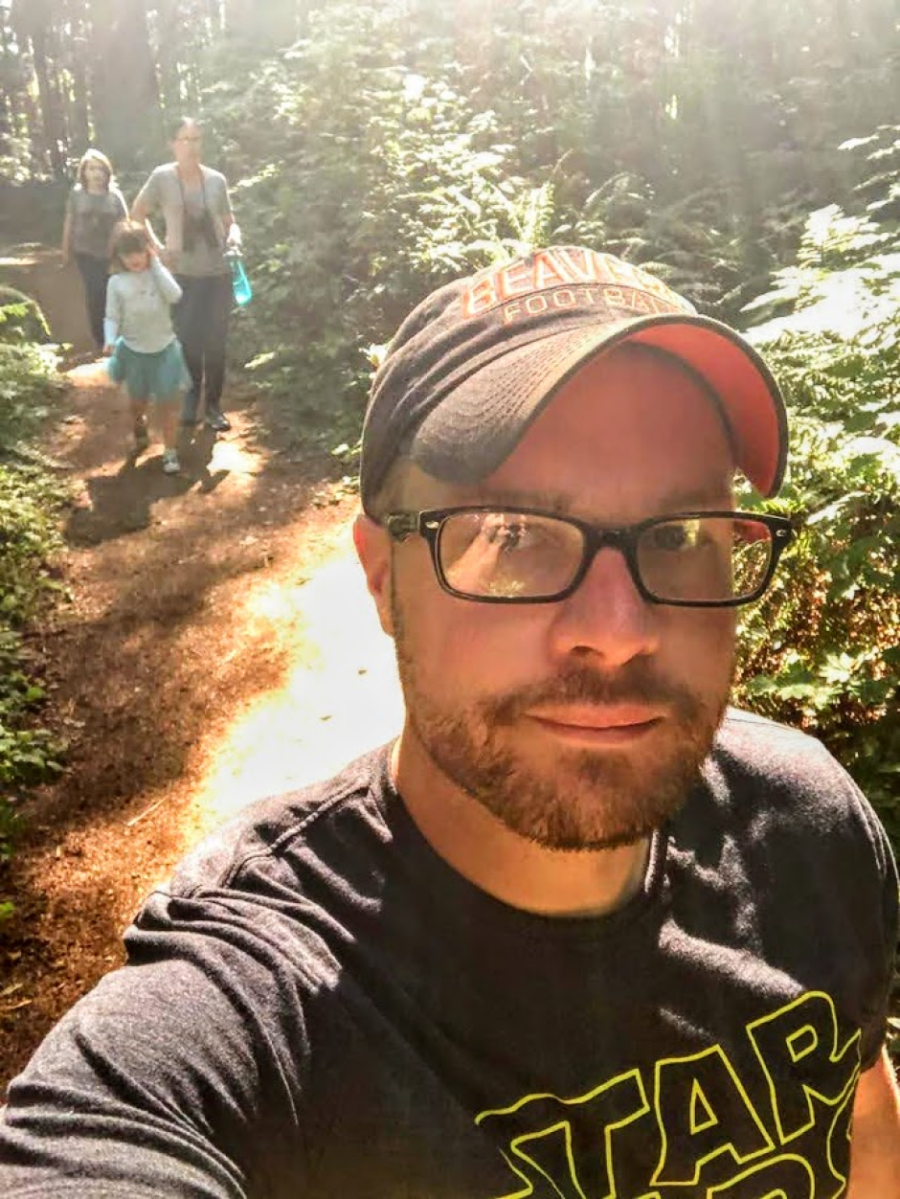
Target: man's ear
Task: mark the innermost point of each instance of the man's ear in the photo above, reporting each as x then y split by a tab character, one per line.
373	547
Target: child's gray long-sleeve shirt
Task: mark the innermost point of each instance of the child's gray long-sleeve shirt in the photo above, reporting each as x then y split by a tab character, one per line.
138	308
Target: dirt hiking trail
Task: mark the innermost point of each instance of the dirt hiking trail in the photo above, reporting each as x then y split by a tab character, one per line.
219	646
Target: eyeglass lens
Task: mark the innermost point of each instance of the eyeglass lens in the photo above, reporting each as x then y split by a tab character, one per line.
507	554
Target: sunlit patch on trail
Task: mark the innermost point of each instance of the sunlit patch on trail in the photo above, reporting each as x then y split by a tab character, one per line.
340	694
230	455
90	374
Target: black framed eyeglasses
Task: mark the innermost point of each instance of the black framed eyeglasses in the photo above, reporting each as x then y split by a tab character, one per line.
527	556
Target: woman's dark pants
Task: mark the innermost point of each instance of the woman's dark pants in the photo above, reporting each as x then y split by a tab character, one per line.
94	274
201	322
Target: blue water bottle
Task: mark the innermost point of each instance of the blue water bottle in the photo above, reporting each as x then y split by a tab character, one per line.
240	284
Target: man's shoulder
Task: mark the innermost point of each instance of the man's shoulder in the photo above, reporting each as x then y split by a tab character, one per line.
293	824
768	749
756	751
210	175
784	777
759	739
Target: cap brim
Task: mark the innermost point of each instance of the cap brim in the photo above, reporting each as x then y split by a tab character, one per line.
478	425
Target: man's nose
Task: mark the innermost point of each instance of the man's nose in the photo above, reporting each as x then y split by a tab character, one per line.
606	616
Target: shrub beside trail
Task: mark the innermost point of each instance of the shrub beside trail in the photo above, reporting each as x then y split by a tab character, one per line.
30	498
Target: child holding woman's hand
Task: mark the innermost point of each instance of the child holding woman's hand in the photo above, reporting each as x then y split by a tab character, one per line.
146	357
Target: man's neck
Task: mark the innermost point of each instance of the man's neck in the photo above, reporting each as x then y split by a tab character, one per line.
190	172
512	869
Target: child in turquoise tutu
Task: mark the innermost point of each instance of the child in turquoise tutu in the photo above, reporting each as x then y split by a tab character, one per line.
146	356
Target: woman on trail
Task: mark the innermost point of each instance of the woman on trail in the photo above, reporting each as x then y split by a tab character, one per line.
146	357
200	227
93	209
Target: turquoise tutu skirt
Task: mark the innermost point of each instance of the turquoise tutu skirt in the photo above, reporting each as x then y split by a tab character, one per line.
158	376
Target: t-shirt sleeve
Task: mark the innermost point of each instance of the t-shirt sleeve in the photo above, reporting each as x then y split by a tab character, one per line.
818	872
170	1078
150	194
120	205
219	195
874	1034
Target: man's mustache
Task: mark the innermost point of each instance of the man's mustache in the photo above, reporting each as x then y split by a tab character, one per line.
636	683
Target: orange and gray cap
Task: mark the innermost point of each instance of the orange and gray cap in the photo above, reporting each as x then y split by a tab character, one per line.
478	360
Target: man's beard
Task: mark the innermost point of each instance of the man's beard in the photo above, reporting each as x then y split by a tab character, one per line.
572	798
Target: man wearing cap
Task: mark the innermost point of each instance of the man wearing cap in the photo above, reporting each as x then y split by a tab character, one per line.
581	931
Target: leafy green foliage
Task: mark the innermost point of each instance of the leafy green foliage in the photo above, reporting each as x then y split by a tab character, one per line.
29	499
29	386
824	649
27	754
29	537
367	197
397	145
21	319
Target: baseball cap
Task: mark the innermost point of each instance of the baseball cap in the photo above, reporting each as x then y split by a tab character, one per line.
476	362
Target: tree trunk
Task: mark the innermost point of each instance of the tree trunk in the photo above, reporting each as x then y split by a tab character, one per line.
79	98
124	87
168	38
52	117
10	89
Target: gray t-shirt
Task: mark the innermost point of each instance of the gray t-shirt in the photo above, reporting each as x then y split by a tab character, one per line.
93	219
168	193
319	1006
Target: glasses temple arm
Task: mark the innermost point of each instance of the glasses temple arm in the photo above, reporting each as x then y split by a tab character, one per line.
401	525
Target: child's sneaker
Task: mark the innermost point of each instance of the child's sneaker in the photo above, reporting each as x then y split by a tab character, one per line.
170	465
141	436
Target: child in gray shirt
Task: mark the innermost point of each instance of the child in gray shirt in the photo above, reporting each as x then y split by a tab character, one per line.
93	208
146	357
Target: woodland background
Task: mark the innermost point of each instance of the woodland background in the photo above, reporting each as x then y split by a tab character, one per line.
747	152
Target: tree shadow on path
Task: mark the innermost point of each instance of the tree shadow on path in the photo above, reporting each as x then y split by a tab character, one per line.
123	503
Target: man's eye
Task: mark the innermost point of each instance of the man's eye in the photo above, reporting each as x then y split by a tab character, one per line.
508	536
684	535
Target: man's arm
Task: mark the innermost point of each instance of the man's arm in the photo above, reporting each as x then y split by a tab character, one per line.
172	1076
875	1142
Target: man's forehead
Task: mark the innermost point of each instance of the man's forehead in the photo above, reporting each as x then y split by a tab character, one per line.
420	491
654	385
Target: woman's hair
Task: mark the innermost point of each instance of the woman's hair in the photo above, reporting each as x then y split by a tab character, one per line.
174	127
101	159
128	237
